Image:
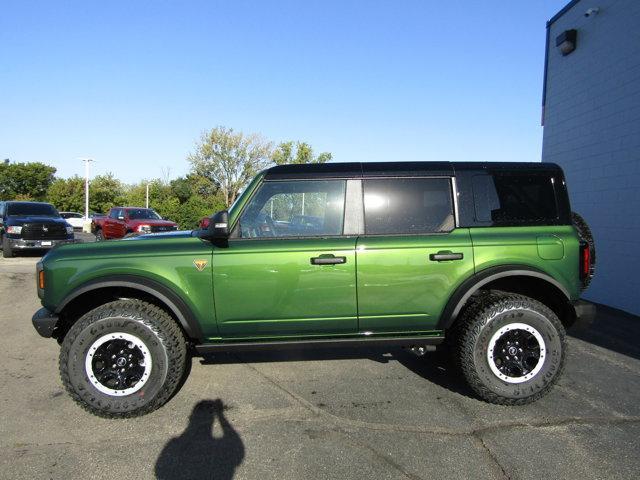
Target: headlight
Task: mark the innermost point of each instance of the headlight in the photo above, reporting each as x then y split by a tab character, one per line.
69	230
14	229
144	228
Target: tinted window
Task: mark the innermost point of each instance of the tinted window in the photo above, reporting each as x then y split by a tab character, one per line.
295	209
115	213
70	215
408	205
515	199
31	209
143	213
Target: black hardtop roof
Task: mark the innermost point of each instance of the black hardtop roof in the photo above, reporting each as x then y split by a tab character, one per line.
398	169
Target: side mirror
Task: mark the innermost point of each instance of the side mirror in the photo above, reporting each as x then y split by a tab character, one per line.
219	226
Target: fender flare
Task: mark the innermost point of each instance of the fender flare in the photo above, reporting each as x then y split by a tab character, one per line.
151	287
472	284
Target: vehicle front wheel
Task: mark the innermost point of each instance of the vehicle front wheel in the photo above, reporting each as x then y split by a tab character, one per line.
7	251
123	359
510	348
99	236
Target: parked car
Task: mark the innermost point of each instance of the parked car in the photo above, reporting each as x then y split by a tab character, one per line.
482	259
75	219
123	221
31	226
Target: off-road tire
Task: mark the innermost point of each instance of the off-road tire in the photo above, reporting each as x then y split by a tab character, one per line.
584	232
155	328
7	251
99	235
479	323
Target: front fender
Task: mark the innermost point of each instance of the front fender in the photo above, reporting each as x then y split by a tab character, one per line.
162	293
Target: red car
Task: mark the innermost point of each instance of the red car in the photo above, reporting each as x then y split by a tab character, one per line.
121	221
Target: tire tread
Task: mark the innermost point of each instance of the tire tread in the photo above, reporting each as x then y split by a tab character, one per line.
153	317
475	317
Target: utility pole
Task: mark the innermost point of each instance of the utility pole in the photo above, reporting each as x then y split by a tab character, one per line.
147	204
86	186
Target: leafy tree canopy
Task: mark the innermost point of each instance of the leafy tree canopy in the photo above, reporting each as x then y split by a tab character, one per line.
25	181
298	152
230	159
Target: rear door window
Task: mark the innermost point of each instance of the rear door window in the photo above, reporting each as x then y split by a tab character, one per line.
408	206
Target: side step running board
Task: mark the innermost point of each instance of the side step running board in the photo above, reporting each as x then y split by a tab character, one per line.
320	343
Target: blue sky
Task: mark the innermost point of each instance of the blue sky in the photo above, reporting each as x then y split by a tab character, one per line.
133	84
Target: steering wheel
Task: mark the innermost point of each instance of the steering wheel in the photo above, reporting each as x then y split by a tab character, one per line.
266	227
270	226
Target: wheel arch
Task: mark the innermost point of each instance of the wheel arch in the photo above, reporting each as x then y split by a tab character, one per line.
519	279
105	289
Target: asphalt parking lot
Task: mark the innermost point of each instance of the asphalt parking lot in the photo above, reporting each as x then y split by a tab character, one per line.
374	414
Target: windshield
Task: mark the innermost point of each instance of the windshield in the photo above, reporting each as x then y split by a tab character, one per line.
143	213
31	209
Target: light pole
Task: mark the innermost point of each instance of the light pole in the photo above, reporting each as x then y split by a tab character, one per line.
147	203
86	186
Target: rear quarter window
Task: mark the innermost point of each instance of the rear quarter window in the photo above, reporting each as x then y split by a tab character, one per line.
515	199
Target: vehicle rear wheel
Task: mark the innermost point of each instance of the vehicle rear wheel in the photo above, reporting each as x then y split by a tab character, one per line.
510	348
123	359
99	236
7	251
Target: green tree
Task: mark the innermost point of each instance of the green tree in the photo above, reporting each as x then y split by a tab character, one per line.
105	191
26	181
230	159
67	194
298	152
184	200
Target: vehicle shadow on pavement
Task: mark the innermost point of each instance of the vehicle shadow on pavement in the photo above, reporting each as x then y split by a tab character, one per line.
612	329
197	453
438	368
435	367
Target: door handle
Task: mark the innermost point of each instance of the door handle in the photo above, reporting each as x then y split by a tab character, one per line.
328	260
445	256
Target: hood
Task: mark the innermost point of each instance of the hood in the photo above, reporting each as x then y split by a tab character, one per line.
140	245
149	221
158	236
20	219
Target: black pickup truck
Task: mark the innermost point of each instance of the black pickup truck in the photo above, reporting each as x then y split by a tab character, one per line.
31	226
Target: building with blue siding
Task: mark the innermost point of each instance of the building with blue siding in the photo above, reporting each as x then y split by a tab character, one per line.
591	118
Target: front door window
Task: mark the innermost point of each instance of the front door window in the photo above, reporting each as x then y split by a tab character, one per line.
295	209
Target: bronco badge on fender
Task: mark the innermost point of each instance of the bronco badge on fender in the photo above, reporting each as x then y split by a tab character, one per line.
200	264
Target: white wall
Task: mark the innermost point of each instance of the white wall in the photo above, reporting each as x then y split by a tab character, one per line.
592	129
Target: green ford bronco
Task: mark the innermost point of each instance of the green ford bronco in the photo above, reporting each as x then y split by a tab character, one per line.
484	258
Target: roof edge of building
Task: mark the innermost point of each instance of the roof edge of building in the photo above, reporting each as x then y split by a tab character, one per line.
564	10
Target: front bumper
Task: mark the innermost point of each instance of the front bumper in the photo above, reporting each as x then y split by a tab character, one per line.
22	244
44	321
